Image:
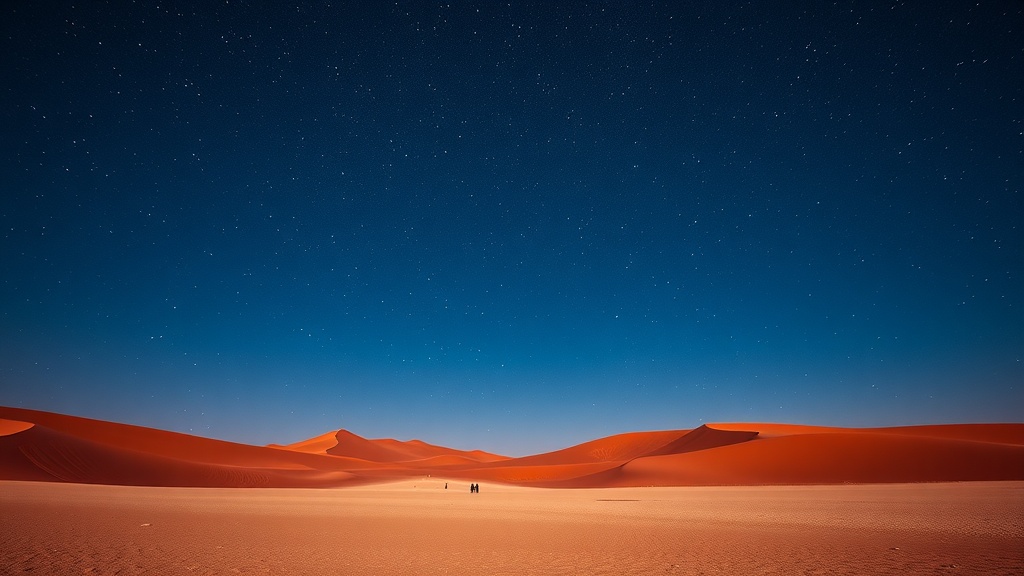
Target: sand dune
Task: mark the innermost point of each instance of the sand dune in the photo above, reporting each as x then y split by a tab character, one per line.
175	445
998	433
69	449
45	454
355	446
443	461
417	450
390	450
8	427
316	445
547	475
617	448
345	443
41	446
704	438
829	458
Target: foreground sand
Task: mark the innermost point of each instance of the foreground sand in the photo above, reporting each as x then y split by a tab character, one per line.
418	527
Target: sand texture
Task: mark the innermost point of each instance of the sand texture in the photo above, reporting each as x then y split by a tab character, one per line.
42	446
415	526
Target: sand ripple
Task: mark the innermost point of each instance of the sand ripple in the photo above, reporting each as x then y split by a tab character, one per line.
417	527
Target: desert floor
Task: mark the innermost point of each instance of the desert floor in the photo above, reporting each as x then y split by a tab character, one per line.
418	527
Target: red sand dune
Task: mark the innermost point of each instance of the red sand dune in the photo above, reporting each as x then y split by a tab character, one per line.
71	449
8	427
42	446
390	450
617	448
345	443
316	445
703	438
814	455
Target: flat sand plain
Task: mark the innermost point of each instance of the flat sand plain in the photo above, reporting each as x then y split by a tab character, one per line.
417	527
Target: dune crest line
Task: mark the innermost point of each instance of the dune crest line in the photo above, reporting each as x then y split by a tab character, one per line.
49	447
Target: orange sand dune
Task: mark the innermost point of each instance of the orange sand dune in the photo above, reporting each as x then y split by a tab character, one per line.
43	454
41	446
704	438
1000	433
416	450
443	461
8	427
175	445
823	458
316	445
70	449
354	446
550	474
390	450
617	448
765	430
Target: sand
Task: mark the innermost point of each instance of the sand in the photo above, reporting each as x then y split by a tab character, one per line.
48	447
415	526
82	496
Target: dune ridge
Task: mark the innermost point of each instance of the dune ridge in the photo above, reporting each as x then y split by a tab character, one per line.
8	427
48	447
704	438
316	445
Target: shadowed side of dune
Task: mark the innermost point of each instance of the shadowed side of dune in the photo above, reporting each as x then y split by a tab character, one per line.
8	427
42	454
41	446
354	446
416	450
703	438
528	475
596	459
830	458
771	430
995	433
610	449
443	462
680	442
316	445
180	446
14	464
390	451
486	457
558	466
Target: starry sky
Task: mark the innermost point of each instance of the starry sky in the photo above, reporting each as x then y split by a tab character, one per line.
511	226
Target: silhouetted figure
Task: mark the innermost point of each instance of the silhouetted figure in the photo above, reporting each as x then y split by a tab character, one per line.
473	488
445	485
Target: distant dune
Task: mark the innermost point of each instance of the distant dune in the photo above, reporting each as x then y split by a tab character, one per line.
47	447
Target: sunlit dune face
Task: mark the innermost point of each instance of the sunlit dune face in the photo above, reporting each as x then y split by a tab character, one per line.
54	447
8	427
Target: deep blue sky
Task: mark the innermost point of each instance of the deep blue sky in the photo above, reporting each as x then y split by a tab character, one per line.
511	228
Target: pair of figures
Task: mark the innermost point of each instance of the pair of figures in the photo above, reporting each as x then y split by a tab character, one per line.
474	488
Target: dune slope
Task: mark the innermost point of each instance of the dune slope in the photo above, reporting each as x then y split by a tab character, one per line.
926	454
42	446
59	448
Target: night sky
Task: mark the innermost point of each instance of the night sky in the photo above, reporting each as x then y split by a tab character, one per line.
511	227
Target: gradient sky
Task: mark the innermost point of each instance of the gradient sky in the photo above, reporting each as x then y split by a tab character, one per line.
511	227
